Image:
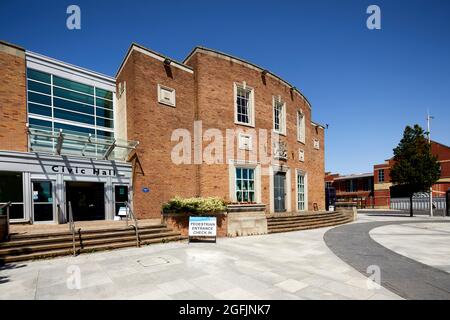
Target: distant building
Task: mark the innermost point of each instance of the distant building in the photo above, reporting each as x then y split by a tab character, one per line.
383	185
352	188
375	189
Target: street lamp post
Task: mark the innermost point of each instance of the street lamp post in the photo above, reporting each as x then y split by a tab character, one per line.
429	142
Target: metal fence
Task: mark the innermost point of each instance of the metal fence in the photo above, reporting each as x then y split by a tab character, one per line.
418	203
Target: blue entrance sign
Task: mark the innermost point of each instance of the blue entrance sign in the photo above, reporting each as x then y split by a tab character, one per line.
145	190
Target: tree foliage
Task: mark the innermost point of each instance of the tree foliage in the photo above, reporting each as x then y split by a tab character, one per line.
415	168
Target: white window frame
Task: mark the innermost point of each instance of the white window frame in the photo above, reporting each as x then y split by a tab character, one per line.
301	155
316	144
282	124
161	100
251	107
242	146
305	182
301	127
232	165
379	175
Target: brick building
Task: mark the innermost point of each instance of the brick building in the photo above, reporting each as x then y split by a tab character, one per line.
352	188
356	187
383	184
212	125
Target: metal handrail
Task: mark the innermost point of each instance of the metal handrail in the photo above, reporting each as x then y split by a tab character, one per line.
72	228
135	226
7	206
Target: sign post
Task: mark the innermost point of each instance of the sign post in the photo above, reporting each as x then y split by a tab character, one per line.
203	227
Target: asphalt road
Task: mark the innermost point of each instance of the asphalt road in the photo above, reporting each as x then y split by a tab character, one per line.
408	278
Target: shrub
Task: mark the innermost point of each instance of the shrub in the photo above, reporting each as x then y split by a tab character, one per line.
194	205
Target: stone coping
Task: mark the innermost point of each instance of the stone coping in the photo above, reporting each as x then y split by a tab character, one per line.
246	207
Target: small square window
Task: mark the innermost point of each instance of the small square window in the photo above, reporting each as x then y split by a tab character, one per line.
166	95
245	142
316	144
301	155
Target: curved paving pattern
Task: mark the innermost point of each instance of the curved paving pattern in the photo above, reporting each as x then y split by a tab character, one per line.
406	277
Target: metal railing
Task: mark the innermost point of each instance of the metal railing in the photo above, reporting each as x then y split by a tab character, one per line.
72	229
135	226
421	204
2	207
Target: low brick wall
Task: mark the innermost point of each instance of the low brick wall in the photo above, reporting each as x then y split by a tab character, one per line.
180	222
349	208
246	220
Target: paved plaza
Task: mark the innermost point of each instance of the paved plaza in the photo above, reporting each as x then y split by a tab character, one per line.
295	265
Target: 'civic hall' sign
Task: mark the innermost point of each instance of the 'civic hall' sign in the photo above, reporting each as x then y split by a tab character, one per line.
203	227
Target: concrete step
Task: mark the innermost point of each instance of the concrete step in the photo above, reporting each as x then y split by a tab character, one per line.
45	235
305	223
64	252
84	244
303	216
308	227
84	236
302	219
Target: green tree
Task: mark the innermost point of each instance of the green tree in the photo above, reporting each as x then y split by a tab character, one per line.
415	168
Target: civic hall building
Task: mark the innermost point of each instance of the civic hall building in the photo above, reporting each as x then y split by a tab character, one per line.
68	134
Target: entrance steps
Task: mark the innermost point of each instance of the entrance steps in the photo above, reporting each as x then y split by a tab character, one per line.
33	246
298	221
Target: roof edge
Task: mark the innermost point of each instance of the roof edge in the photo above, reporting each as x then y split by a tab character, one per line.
134	45
197	48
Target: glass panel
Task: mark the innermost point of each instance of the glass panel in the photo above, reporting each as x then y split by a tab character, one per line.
121	193
104	113
69	105
103	93
104	134
57	81
39	123
104	103
79	130
79	97
42	201
78	117
38	75
16	211
39	98
238	173
11	187
39	87
38	109
102	122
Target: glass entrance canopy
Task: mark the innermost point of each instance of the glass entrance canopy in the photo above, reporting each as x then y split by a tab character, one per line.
73	143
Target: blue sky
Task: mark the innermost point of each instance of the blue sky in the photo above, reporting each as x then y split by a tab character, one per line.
366	84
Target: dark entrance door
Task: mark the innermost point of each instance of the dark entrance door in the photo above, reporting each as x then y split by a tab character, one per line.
87	199
279	193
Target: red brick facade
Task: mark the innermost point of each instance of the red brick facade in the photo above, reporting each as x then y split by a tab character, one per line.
204	88
13	98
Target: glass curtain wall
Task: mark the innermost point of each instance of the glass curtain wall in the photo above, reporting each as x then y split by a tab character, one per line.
56	103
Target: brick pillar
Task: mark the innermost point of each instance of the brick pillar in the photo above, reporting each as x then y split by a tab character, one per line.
13	103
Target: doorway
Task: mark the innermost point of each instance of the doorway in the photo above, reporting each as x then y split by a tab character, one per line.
43	199
279	191
87	200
